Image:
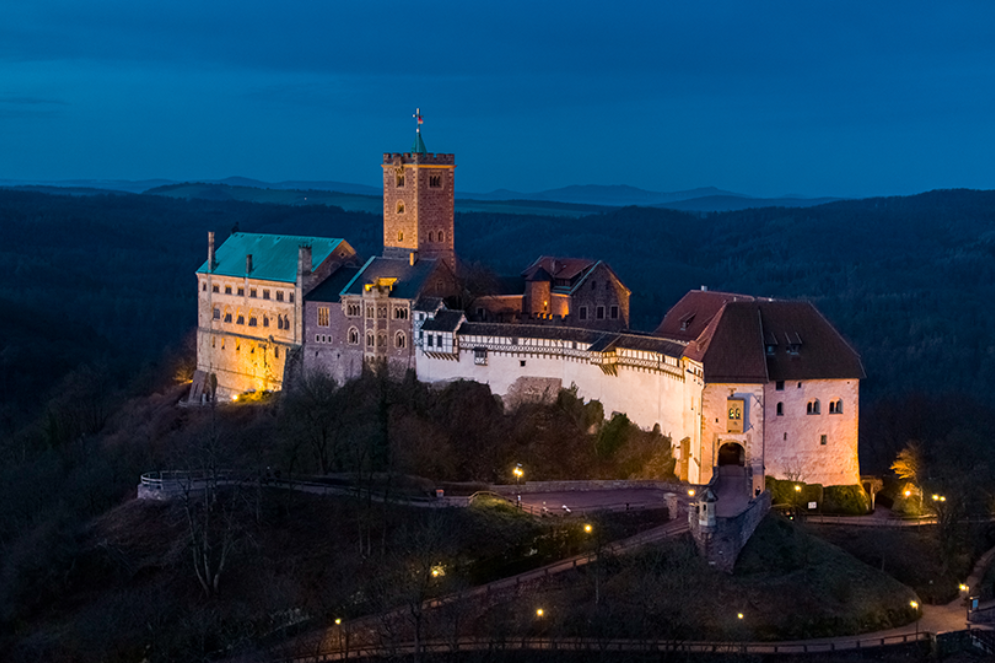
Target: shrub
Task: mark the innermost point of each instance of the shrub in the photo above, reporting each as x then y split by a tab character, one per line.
846	500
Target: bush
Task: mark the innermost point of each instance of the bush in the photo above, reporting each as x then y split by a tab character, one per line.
846	500
783	491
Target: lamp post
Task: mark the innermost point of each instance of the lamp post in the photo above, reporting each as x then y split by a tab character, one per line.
518	472
915	606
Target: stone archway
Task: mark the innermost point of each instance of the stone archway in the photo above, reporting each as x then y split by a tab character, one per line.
732	453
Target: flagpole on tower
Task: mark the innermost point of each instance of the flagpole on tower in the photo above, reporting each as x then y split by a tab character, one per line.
418	117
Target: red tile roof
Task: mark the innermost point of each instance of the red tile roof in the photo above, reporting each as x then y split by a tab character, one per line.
689	317
558	268
762	340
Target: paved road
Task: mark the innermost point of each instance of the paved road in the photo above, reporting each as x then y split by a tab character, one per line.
594	500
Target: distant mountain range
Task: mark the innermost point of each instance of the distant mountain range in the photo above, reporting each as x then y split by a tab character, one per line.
577	199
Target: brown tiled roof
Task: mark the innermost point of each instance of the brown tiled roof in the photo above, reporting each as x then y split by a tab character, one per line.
689	317
802	344
557	268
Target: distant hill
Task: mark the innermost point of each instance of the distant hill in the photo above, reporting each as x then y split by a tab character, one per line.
603	195
735	203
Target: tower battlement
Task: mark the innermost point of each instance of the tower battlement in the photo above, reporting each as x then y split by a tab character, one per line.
418	159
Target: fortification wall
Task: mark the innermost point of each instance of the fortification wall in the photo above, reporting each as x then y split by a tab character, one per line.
721	544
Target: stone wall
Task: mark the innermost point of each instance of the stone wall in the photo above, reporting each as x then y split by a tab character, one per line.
531	487
721	544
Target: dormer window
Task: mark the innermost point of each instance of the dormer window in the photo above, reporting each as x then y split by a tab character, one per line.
794	343
686	321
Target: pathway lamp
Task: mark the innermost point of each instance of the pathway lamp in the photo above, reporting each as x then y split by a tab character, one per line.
518	473
587	528
539	613
915	606
690	492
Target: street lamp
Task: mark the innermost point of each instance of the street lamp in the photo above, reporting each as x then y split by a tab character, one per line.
690	492
539	612
518	473
915	606
587	528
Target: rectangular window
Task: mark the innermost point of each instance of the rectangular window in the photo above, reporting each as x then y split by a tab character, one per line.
370	312
265	294
217	314
614	313
780	385
323	316
279	295
601	313
252	322
291	298
215	288
276	352
227	289
480	356
241	292
522	363
431	341
822	440
252	292
583	313
203	287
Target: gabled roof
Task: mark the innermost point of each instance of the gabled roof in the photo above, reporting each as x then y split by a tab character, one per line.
329	289
274	257
766	340
689	317
545	267
444	321
409	280
597	340
428	304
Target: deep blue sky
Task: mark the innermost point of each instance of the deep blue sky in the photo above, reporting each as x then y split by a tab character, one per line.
836	98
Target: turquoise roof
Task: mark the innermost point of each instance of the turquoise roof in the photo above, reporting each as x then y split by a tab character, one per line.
274	257
419	145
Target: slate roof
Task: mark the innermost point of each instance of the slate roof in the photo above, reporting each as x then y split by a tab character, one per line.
329	290
689	317
428	304
444	321
733	347
411	279
557	268
274	257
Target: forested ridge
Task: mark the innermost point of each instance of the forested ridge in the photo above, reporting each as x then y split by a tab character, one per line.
99	307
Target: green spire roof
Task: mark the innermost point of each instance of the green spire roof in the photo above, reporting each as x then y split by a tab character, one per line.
419	145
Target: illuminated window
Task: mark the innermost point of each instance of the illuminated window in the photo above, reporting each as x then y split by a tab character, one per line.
323	316
353	336
400	235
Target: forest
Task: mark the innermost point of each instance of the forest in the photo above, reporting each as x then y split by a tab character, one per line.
99	306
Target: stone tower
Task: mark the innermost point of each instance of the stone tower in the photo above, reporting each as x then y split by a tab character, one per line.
418	204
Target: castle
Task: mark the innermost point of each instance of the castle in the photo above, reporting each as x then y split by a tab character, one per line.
764	384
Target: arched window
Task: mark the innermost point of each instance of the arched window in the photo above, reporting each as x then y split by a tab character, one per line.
369	340
400	207
442	236
381	340
399	178
836	407
400	235
400	340
431	236
812	407
240	320
780	409
353	336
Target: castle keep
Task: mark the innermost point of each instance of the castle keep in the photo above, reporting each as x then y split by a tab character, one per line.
768	386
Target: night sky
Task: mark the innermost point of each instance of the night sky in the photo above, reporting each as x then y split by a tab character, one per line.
765	98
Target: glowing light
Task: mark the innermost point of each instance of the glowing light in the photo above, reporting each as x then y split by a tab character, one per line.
739	615
908	493
338	621
587	528
690	492
963	587
798	488
914	604
235	397
539	612
438	570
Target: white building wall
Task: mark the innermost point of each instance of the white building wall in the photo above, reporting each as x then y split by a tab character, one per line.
648	397
715	429
794	439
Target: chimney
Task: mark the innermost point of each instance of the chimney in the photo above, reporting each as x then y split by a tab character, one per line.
248	264
210	252
304	260
704	288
